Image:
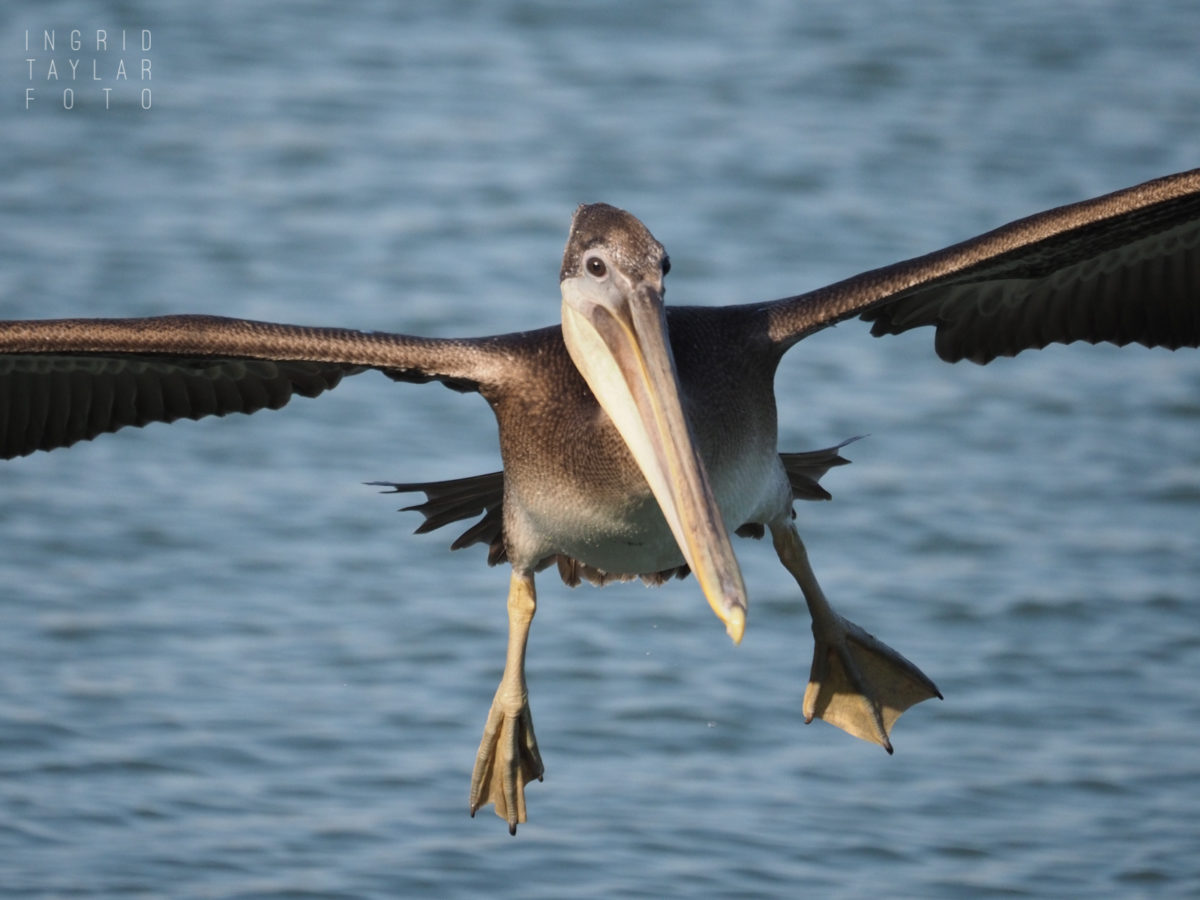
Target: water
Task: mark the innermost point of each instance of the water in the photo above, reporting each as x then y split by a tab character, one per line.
226	669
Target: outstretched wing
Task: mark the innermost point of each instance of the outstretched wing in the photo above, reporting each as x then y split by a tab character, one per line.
68	380
1121	268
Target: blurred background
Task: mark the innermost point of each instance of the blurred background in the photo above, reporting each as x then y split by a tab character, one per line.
228	670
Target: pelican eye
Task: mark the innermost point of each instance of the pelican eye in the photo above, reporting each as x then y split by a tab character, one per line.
596	267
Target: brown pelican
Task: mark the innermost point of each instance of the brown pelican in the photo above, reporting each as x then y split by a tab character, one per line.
635	436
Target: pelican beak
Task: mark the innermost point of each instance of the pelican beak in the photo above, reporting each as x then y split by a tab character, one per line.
616	333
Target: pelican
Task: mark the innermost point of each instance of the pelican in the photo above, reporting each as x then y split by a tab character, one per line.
636	437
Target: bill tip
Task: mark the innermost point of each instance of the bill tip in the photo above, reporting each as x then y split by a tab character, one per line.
735	624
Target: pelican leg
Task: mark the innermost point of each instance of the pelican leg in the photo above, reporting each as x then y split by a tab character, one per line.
508	757
857	683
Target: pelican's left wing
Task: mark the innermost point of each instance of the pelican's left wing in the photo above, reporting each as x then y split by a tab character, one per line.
1121	268
68	380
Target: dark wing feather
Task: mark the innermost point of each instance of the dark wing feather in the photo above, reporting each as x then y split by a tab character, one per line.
49	402
1121	268
68	380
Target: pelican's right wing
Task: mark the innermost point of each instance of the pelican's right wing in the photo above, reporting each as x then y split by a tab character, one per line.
68	380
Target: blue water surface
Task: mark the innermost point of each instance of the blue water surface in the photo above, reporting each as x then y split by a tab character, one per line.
228	671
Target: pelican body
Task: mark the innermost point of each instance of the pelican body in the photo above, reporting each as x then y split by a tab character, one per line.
636	437
555	503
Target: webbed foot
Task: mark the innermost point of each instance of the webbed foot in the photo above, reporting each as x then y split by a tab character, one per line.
508	759
859	683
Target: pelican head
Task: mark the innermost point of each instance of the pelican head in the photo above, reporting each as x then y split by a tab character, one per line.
615	328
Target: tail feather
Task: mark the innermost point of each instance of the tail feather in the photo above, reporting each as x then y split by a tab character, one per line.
805	470
457	499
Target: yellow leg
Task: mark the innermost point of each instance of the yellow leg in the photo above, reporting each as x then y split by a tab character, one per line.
508	757
857	683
